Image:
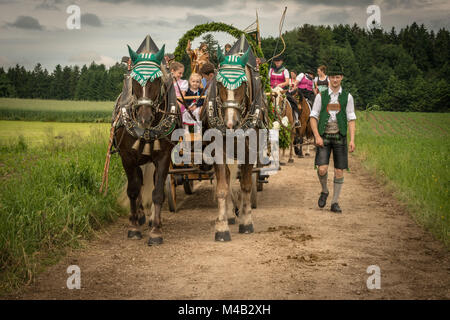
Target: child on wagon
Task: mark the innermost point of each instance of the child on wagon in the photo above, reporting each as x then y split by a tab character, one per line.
195	104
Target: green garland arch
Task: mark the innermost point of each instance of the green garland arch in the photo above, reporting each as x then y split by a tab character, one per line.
200	29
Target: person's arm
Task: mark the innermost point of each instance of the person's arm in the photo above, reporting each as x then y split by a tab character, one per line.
314	119
351	118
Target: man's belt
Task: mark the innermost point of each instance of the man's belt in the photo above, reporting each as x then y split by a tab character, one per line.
333	107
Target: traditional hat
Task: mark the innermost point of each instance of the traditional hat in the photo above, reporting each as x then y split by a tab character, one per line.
279	58
335	69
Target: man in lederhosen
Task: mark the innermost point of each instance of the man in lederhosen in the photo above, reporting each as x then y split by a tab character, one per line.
333	111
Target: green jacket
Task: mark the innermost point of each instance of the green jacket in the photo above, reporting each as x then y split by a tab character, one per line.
341	116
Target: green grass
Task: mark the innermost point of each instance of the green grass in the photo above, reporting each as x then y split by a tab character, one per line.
49	197
55	110
410	151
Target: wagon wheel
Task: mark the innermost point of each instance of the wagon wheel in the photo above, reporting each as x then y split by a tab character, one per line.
254	192
170	191
188	186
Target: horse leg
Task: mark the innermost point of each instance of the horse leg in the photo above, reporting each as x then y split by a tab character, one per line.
231	203
245	211
134	175
291	147
222	190
161	170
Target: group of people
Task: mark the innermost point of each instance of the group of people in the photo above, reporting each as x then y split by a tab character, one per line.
332	115
332	109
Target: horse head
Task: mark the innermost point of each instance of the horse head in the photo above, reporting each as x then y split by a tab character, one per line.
232	87
147	86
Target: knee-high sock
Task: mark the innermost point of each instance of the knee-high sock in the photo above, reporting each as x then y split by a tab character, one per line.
323	181
338	182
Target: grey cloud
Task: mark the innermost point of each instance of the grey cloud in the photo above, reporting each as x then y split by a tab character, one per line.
197	19
49	5
335	17
26	22
90	19
177	3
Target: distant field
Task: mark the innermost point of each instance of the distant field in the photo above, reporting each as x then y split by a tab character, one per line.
36	132
411	151
55	110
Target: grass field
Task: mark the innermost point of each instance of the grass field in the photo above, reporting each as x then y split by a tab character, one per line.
49	197
55	110
37	132
411	151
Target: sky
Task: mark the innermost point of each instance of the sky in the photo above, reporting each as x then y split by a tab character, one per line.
34	31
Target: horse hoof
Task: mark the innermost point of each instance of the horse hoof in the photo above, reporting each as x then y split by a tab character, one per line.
134	235
222	236
306	154
282	163
246	228
231	220
155	241
141	220
150	223
236	211
301	156
291	160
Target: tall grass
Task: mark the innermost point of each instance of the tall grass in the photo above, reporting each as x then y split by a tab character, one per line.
49	200
55	110
415	163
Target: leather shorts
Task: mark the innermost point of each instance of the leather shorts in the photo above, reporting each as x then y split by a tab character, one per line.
338	144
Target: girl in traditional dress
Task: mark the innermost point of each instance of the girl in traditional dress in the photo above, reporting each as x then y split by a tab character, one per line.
321	81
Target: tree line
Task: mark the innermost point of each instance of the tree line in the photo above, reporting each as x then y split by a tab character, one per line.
406	70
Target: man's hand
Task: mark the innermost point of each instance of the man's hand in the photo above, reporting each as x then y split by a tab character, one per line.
351	146
319	141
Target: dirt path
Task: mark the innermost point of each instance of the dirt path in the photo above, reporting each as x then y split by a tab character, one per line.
298	251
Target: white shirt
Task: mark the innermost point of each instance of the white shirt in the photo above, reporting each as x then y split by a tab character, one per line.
350	109
300	76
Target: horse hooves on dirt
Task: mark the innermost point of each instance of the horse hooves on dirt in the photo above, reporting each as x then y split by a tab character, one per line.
222	236
134	235
246	228
231	220
141	220
155	241
301	156
291	160
306	154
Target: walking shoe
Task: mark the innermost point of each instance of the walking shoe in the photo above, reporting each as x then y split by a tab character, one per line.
323	199
335	208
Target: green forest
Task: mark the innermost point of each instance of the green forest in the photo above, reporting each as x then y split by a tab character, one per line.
404	70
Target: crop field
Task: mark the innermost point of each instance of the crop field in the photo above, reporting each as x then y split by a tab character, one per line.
410	152
55	110
49	197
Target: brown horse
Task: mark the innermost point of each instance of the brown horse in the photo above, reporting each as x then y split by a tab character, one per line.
233	103
147	109
306	132
283	109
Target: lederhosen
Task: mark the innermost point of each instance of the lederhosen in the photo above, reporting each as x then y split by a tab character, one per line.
333	133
